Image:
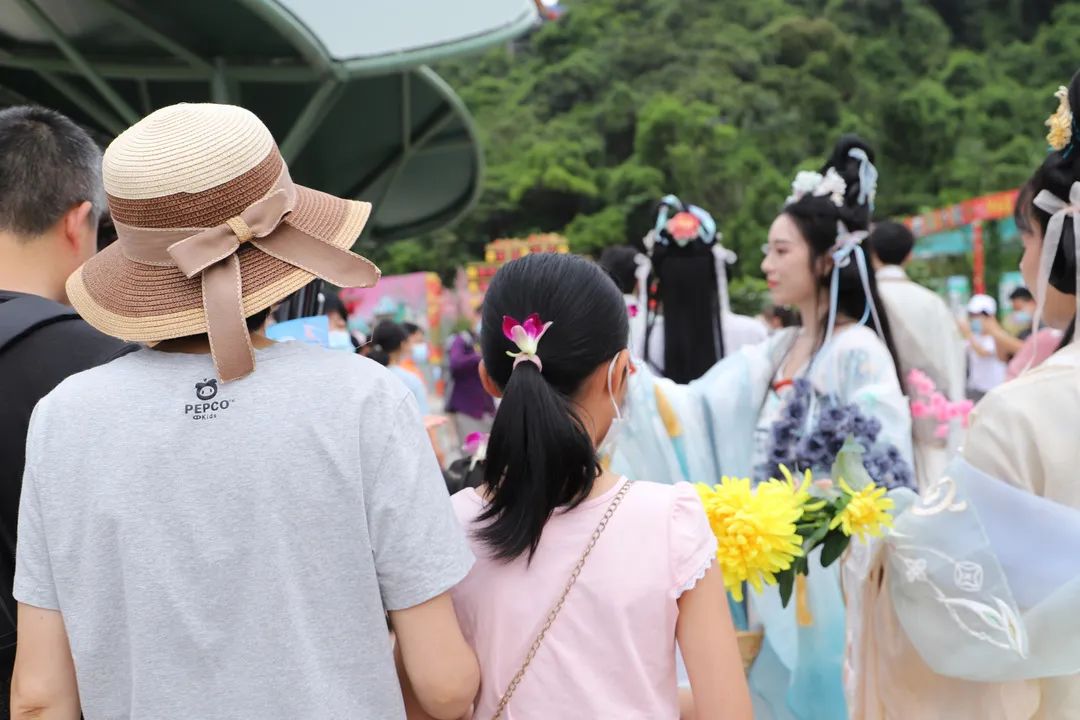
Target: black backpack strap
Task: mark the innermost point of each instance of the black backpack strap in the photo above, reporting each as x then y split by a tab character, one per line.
23	315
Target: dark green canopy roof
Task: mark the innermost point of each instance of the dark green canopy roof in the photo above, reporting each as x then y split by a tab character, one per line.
342	84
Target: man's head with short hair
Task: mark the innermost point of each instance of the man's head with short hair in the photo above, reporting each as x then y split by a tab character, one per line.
891	242
48	165
1022	300
51	199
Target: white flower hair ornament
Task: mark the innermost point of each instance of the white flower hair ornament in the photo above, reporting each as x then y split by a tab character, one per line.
833	187
806	182
829	185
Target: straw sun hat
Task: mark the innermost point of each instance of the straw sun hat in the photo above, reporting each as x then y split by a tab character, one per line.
210	230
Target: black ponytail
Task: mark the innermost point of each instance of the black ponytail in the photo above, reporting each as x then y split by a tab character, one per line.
540	455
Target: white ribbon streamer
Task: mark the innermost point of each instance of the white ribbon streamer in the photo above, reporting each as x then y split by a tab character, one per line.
723	257
868	177
1059	209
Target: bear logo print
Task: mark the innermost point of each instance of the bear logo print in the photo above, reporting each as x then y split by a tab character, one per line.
207	408
206	390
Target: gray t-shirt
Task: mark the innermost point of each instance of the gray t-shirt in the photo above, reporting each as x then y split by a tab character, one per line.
228	550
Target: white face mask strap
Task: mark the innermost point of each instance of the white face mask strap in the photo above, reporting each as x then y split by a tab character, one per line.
611	384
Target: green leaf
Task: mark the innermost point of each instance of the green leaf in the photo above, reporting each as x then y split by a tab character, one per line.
814	539
835	544
786	581
849	466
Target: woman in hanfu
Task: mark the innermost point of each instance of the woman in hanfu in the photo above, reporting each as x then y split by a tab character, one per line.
970	609
682	285
793	400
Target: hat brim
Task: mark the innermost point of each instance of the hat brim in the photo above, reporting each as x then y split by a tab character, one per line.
149	303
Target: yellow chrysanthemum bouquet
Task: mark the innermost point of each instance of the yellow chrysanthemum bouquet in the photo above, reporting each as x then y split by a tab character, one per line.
765	533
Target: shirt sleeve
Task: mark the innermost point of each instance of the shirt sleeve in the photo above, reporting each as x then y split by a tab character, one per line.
999	444
33	570
419	547
416	387
692	543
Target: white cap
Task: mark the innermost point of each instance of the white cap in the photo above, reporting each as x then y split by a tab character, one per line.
982	305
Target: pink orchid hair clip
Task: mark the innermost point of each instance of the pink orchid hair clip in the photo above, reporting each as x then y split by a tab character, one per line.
476	445
526	336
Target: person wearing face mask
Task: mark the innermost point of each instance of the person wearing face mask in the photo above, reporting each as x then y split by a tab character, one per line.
969	607
390	347
339	336
416	355
1023	306
1027	349
986	363
612	570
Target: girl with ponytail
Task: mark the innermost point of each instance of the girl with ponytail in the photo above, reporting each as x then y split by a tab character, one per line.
584	579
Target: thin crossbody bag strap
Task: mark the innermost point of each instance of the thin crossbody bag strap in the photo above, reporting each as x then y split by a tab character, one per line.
554	613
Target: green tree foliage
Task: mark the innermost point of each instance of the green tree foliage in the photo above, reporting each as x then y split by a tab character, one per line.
587	121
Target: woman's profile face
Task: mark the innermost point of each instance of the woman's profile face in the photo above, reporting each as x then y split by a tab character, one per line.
1059	308
787	266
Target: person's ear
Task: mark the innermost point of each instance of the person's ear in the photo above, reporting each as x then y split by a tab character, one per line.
624	368
78	233
824	266
490	386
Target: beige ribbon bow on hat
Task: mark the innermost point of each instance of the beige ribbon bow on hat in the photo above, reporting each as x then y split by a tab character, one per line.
212	253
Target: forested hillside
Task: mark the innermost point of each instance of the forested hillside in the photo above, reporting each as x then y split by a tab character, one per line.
587	121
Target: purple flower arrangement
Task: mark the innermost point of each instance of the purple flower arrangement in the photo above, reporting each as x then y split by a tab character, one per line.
834	423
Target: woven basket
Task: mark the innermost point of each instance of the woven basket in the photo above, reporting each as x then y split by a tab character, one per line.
749	646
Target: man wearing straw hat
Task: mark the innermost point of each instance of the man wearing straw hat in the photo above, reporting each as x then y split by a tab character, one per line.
51	199
198	538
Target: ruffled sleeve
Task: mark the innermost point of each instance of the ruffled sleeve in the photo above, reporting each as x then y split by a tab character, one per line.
692	543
